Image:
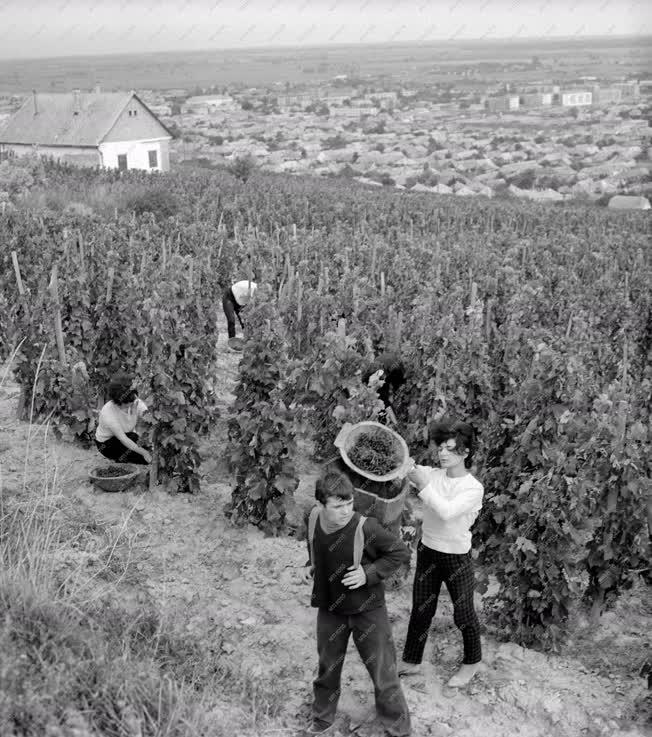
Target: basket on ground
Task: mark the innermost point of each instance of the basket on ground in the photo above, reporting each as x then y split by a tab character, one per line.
114	478
382	445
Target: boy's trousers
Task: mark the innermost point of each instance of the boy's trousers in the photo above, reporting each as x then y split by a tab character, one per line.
372	636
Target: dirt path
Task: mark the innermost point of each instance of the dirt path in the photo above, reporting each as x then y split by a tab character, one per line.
239	590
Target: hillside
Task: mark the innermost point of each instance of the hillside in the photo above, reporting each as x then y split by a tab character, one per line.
151	612
235	591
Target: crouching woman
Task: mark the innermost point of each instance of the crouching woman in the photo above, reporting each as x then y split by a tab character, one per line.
452	499
115	436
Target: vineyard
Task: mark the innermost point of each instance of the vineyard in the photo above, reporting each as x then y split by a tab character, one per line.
534	324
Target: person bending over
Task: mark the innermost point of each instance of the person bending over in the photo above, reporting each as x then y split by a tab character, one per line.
389	366
351	600
234	299
452	499
115	436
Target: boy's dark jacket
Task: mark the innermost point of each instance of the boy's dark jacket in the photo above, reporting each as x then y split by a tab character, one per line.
383	554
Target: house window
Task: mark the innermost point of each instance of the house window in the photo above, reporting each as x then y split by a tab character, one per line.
153	159
122	162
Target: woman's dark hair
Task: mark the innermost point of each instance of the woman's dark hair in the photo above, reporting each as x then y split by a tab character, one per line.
119	389
333	484
394	369
394	373
461	432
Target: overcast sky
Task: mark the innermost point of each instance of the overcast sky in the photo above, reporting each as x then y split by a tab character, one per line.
37	28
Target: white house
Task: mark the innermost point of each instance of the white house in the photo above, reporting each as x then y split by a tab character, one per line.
208	104
629	202
513	102
115	130
576	97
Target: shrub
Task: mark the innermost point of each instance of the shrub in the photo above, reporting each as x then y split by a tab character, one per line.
161	203
334	142
524	180
243	167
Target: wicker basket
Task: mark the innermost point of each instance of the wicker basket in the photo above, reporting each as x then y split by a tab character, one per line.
386	511
348	436
114	483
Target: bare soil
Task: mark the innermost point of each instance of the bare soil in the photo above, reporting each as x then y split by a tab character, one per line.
239	589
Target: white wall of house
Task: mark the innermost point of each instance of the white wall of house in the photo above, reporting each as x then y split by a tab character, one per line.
137	153
569	99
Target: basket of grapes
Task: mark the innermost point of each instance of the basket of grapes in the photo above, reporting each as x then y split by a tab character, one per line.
376	454
373	450
114	478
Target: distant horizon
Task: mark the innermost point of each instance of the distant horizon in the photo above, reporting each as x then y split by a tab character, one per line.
70	28
510	40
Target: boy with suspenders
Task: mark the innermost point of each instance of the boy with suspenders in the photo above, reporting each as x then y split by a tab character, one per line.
350	555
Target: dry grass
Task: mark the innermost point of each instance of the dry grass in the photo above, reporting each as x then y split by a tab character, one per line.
77	659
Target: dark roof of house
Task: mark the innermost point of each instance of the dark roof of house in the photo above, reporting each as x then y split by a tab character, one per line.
55	123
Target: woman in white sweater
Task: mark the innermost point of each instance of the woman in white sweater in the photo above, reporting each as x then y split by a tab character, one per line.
115	436
452	499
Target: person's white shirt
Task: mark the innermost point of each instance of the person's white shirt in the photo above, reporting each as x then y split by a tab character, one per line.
241	291
450	507
112	417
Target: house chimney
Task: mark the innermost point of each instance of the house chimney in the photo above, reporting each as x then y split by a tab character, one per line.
35	103
75	105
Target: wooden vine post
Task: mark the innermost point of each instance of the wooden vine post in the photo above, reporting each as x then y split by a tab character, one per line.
487	324
153	469
58	327
622	405
82	255
299	312
109	284
19	282
398	336
66	249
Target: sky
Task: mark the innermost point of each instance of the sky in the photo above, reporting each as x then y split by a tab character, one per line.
42	28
